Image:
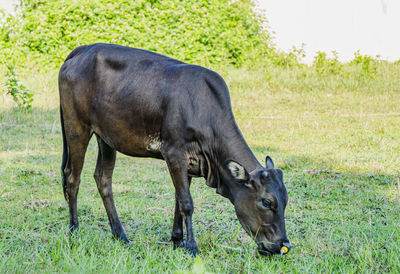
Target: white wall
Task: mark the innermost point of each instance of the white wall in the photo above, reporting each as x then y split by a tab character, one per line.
371	26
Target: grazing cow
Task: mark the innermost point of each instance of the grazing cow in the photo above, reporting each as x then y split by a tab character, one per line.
144	104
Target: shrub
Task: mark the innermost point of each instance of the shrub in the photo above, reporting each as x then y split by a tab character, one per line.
291	59
17	90
324	65
198	31
369	66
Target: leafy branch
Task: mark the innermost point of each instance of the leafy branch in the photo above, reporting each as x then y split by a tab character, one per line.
17	90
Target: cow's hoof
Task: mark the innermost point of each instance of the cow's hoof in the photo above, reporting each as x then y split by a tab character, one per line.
194	252
122	239
192	248
179	244
73	228
125	242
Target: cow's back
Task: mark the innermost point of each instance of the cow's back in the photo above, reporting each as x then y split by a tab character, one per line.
130	97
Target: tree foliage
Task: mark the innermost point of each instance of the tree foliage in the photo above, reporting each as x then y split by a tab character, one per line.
197	31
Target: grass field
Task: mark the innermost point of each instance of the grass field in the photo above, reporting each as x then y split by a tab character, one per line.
337	138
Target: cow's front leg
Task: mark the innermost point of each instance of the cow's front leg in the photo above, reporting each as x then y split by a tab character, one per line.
177	229
178	170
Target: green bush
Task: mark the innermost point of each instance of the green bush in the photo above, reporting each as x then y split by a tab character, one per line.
291	59
369	65
17	90
324	65
205	32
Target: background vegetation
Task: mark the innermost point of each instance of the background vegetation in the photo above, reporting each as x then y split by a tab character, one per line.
202	32
332	127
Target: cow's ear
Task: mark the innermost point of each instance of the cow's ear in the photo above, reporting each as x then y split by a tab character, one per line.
268	163
238	172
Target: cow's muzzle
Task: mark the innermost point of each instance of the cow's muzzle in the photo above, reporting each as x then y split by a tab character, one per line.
271	249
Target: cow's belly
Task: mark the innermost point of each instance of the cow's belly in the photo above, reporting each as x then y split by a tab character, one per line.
134	136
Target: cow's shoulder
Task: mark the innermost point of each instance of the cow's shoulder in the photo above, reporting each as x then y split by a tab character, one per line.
216	86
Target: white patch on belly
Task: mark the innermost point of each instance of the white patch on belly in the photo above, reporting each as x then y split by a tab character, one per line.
154	143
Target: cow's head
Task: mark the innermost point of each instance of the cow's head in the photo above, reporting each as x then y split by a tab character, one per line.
260	205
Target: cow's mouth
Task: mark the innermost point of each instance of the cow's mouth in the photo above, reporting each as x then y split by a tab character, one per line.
266	250
269	249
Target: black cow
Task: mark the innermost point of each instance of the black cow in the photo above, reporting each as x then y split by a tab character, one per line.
144	104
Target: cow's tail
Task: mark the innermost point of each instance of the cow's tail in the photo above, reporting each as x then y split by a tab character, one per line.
64	156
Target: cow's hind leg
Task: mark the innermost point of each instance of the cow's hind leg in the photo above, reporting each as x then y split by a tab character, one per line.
77	142
177	229
103	176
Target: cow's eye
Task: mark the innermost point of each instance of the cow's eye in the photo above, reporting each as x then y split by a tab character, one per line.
266	203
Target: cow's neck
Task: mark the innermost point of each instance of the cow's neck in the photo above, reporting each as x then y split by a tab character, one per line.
232	146
235	148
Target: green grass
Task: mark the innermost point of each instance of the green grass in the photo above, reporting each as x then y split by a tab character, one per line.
336	137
